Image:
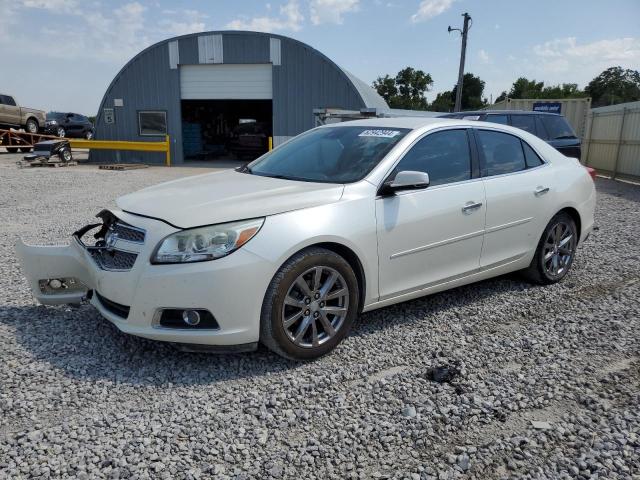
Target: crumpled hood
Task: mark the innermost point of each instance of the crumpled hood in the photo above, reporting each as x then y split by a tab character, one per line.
224	197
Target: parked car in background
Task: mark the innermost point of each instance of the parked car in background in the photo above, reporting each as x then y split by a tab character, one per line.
14	116
345	218
551	127
73	125
249	139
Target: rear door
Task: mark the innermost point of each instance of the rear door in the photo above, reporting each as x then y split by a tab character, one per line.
428	236
519	191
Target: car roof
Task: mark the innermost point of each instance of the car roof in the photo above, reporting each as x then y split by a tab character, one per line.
504	112
399	122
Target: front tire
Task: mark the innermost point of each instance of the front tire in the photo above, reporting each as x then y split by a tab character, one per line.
310	305
12	149
555	251
32	126
65	155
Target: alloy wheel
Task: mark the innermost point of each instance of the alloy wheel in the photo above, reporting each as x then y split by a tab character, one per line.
61	132
559	248
315	306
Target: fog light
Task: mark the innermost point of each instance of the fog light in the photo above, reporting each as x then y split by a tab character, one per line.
191	317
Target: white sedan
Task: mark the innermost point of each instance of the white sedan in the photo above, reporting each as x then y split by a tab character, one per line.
342	219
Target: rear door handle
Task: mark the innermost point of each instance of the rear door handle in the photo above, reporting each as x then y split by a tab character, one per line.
471	206
541	191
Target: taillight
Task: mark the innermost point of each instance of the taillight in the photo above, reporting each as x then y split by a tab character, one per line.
592	172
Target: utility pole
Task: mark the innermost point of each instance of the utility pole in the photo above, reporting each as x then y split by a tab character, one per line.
463	32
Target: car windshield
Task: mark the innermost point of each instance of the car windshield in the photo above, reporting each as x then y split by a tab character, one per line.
54	115
340	154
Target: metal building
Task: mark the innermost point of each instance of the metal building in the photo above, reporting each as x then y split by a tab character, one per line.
216	91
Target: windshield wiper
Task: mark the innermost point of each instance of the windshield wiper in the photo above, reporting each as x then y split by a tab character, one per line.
244	169
562	137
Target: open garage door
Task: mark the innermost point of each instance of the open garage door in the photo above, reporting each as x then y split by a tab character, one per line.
226	82
227	111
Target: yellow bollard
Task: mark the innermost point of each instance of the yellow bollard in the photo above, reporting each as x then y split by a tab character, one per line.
270	143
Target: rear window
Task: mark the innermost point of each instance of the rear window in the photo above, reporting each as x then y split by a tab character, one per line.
502	119
557	127
532	158
524	122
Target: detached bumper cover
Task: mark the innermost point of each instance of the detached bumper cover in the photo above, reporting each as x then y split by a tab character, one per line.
231	288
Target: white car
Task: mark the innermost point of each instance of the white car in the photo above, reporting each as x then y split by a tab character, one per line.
342	219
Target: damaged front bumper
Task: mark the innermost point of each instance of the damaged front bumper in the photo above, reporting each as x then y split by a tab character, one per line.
116	276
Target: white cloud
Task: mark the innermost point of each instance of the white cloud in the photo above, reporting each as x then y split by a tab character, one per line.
430	8
331	11
188	21
53	5
290	19
565	59
483	56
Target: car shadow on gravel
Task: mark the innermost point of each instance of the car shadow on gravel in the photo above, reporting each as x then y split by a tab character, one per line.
83	345
436	303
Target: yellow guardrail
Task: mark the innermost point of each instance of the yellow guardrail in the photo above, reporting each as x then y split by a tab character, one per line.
125	145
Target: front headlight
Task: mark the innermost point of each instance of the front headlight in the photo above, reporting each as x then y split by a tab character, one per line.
206	243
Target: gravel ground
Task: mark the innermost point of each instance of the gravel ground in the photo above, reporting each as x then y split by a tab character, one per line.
548	384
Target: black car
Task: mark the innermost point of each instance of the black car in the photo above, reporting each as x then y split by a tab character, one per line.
551	127
68	125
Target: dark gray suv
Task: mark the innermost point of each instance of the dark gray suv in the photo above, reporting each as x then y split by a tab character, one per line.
551	127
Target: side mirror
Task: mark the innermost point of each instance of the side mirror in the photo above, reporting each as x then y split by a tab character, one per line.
406	180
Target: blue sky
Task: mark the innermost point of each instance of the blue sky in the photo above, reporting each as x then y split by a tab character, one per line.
62	54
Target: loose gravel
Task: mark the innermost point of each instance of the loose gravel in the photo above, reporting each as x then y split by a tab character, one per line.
545	381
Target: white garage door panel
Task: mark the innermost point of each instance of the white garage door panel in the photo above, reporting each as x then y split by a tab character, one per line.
220	82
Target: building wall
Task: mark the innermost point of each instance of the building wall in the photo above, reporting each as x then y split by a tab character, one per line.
304	80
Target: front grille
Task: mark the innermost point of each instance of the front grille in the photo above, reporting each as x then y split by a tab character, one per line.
114	259
127	232
121	311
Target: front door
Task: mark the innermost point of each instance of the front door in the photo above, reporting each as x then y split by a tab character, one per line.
432	235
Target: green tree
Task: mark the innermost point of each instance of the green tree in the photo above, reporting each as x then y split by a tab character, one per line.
472	90
407	90
614	85
525	88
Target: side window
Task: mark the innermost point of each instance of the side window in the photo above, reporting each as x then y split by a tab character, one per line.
524	122
2	100
443	155
502	119
531	157
502	152
557	127
9	101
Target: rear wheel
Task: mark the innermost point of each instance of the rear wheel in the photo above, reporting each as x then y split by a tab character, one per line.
555	252
61	132
12	149
310	305
25	149
31	126
89	135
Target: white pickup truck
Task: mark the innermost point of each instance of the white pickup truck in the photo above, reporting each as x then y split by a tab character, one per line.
13	115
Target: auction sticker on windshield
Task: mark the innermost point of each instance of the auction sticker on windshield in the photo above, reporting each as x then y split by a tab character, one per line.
380	133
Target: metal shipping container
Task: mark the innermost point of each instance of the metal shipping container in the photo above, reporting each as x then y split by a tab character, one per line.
575	110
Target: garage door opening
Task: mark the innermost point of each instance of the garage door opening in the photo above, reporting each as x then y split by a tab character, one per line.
226	129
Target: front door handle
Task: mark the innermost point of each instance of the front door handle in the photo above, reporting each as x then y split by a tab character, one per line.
471	206
541	191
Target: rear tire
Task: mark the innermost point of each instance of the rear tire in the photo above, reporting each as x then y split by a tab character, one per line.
25	149
88	135
32	126
60	132
555	251
12	149
321	293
